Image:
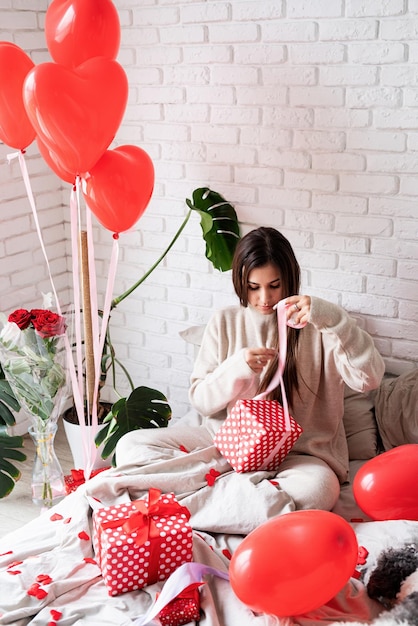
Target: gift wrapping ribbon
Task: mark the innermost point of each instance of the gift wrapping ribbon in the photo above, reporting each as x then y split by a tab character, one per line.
142	522
278	380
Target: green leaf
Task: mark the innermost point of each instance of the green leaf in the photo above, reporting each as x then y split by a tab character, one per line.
9	474
144	408
7	395
6	416
219	224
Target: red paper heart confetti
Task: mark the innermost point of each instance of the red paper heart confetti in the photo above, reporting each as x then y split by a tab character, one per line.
83	535
33	589
13	571
56	615
67	520
227	553
363	553
56	517
6	553
212	476
183	449
44	579
88	560
37	592
14	564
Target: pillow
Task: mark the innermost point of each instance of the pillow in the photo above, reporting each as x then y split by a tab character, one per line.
396	406
193	334
360	425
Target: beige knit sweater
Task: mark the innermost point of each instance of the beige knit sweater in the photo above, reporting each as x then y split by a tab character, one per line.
332	350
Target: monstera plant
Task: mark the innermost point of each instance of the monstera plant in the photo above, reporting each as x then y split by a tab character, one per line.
145	407
9	445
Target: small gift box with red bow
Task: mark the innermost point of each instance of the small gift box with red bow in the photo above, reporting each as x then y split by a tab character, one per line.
185	608
257	435
77	478
141	542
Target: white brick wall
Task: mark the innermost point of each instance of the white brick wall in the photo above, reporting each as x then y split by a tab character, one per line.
303	114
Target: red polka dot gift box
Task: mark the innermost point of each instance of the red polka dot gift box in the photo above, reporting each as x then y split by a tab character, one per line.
257	435
141	542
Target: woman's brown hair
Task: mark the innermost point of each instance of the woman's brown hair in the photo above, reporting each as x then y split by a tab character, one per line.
257	248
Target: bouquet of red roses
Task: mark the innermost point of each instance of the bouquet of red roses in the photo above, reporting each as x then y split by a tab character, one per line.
33	357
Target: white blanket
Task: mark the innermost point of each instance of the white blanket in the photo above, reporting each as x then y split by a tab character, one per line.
58	544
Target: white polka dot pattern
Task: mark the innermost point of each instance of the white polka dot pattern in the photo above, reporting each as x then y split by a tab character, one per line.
254	436
126	566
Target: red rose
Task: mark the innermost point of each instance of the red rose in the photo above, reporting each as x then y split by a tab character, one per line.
21	317
47	324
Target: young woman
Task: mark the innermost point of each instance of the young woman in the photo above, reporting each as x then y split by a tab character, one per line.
237	360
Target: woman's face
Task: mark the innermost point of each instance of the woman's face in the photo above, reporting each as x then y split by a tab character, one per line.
264	288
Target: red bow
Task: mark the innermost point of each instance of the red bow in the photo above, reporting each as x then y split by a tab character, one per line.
76	478
142	521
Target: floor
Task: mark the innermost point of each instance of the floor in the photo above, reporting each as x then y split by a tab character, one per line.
17	508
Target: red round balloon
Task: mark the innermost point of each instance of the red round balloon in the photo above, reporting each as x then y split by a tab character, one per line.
119	187
78	30
385	487
16	129
76	113
294	563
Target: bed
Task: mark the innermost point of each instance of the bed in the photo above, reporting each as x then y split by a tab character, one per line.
53	556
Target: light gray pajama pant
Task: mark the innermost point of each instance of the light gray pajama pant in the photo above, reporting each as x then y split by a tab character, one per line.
183	459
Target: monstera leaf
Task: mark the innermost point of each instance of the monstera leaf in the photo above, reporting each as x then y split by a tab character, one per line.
9	474
144	408
7	399
219	224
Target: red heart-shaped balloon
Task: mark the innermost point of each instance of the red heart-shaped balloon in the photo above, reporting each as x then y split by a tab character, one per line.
55	167
76	113
119	187
78	30
16	129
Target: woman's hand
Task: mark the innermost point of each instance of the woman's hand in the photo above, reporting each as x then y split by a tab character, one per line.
298	310
257	358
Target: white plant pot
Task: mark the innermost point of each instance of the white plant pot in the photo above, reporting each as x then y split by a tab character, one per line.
75	441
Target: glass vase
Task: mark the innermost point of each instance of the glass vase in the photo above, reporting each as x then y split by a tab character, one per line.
48	485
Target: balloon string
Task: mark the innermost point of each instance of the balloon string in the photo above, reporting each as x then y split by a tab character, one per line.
93	292
31	199
98	338
76	388
106	311
74	216
77	377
